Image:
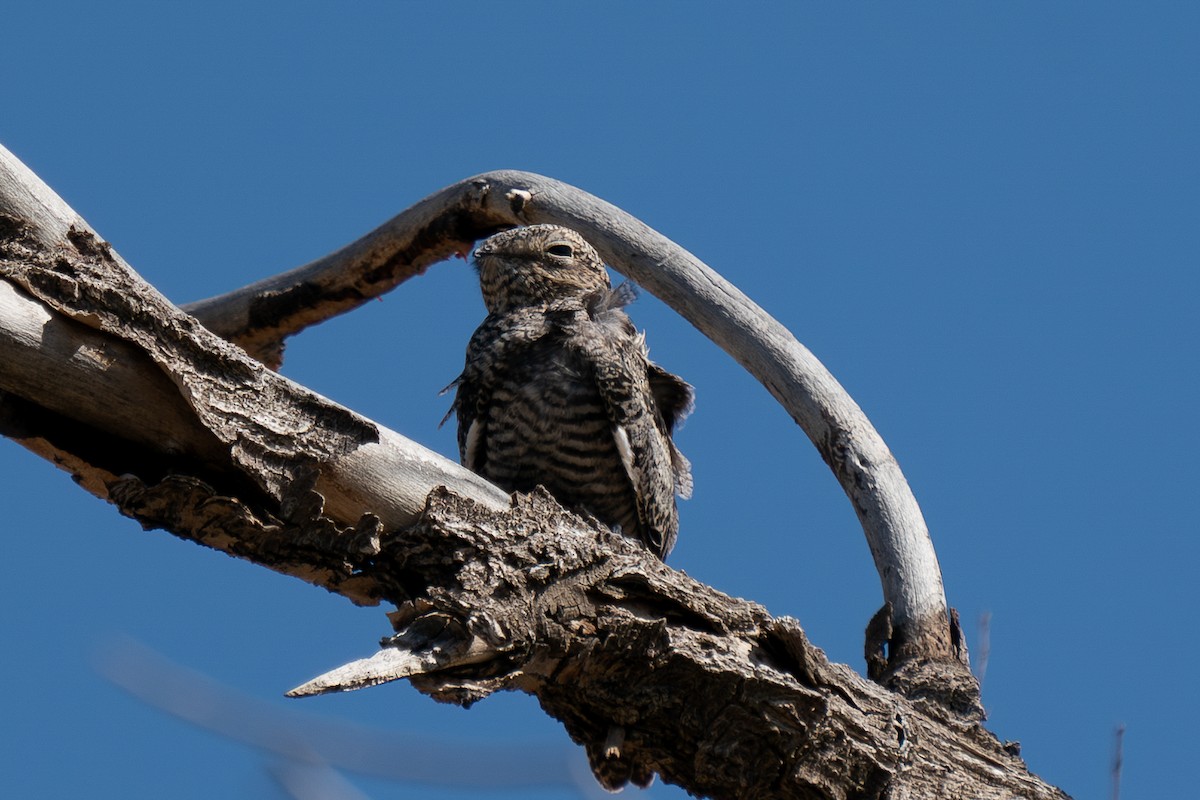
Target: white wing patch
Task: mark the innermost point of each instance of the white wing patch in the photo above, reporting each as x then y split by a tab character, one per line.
626	451
683	473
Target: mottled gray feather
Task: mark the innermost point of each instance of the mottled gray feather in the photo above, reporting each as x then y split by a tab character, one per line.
552	374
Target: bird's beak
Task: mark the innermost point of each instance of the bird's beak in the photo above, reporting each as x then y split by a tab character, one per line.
482	250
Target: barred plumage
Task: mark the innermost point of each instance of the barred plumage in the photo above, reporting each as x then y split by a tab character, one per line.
558	389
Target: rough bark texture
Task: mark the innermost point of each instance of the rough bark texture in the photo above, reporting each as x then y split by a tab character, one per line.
660	673
108	379
87	342
711	692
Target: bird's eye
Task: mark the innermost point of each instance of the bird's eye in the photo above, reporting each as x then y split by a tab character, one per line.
563	250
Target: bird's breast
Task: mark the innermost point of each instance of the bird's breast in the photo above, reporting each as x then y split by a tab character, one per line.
547	425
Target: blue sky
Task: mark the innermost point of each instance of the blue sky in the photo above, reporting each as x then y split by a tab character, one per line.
981	217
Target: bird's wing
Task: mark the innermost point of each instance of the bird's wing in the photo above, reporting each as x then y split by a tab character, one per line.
618	361
673	395
674	398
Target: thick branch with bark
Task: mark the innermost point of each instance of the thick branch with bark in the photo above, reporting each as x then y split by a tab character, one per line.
655	670
710	692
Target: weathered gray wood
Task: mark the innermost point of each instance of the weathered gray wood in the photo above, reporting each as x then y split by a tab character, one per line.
260	316
118	356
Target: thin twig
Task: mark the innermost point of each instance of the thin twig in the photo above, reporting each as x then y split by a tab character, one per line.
1118	760
302	739
985	646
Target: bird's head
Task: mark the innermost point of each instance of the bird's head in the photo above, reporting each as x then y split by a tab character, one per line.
535	265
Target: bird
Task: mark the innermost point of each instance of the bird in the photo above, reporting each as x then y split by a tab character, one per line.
558	389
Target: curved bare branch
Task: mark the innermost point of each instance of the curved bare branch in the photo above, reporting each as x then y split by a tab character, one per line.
448	221
260	316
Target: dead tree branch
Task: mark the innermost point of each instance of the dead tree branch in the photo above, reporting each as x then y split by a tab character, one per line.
710	692
105	377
